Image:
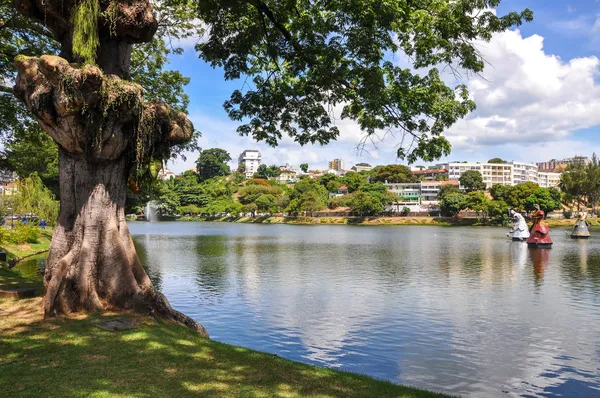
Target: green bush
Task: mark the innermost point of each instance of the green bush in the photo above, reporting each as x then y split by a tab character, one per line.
20	234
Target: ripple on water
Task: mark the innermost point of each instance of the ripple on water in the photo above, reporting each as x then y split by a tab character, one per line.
456	310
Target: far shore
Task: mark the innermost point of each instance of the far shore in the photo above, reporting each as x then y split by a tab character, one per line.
391	221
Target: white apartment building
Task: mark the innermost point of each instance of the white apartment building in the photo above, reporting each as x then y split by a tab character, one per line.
548	180
418	196
250	159
524	172
492	173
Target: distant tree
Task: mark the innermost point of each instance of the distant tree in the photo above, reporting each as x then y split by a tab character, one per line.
354	180
498	212
452	203
333	185
366	204
267	172
573	182
472	180
167	201
304	167
33	197
496	160
517	195
477	202
265	203
394	174
499	191
250	208
213	163
189	190
325	179
544	198
31	150
441	177
447	189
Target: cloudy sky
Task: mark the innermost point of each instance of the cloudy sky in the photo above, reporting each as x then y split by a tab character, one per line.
539	98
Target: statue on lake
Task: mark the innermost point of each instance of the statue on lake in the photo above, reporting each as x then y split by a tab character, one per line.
519	230
539	232
581	231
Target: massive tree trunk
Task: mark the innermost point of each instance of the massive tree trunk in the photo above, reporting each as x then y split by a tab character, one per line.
105	131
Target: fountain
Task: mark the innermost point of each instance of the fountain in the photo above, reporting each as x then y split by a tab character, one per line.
150	212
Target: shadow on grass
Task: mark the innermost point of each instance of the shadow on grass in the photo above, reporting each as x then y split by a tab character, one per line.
71	357
11	279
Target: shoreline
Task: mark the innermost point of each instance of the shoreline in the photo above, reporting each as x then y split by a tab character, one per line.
373	221
154	358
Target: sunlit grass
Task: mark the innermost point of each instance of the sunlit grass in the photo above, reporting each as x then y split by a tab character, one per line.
26	249
71	357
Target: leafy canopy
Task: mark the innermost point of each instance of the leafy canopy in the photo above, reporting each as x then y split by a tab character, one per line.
393	173
213	163
472	180
304	60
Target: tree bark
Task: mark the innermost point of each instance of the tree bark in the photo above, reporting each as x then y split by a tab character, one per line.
93	264
103	129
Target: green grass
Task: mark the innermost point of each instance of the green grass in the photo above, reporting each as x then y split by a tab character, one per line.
71	357
26	249
11	279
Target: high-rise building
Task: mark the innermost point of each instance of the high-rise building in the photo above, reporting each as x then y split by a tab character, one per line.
336	164
249	160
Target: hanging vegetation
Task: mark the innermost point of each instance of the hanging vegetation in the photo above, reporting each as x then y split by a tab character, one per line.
85	30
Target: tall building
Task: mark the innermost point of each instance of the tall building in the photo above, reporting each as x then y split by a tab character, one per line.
524	172
492	173
250	160
336	164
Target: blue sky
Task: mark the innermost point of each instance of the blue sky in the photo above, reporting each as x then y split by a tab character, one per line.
539	98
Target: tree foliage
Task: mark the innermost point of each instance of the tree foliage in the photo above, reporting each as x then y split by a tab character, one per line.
213	163
267	172
393	174
542	197
32	197
304	167
472	180
452	203
304	58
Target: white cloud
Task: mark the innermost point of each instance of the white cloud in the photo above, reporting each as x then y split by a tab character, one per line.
526	96
529	103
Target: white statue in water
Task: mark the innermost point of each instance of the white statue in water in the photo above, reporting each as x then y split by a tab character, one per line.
519	230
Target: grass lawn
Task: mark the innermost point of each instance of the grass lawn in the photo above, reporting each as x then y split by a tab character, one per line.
12	280
25	249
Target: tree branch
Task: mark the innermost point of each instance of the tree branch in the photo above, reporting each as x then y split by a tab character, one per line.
6	89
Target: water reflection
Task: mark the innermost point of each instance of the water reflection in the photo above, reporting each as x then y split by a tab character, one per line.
540	259
458	310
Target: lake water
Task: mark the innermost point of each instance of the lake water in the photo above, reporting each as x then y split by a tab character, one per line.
458	310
